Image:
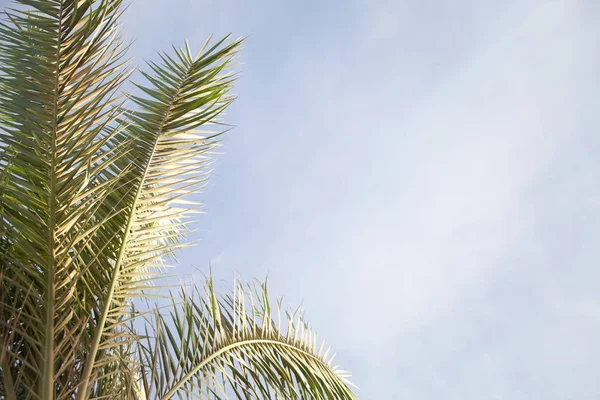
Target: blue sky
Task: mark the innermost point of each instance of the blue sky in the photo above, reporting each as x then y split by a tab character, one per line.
423	176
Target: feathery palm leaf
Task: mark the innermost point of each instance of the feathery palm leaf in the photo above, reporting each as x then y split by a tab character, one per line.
59	105
215	347
169	161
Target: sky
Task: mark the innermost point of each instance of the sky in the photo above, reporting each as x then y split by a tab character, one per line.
422	176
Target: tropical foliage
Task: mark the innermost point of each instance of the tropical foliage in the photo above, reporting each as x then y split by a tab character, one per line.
95	189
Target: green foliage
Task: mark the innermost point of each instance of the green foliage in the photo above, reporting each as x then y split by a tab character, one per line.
94	200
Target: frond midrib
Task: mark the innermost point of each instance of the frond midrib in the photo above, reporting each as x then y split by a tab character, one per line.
91	359
47	381
242	343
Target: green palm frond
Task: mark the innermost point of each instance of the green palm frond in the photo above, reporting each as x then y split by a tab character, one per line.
61	67
216	347
169	162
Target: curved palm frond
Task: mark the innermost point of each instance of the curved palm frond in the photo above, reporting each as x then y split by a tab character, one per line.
216	347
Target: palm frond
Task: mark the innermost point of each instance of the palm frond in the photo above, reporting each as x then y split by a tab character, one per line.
215	347
170	160
61	67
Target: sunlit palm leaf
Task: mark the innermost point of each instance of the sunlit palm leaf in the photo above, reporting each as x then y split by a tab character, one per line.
169	162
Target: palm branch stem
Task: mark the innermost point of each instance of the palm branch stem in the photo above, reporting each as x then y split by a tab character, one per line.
91	359
225	350
47	381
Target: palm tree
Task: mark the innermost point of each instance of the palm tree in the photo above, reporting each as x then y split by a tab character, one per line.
94	200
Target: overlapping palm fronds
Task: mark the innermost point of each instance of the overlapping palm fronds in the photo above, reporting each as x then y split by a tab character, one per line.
94	199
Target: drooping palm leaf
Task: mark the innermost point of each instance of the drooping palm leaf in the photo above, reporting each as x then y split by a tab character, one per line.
216	347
